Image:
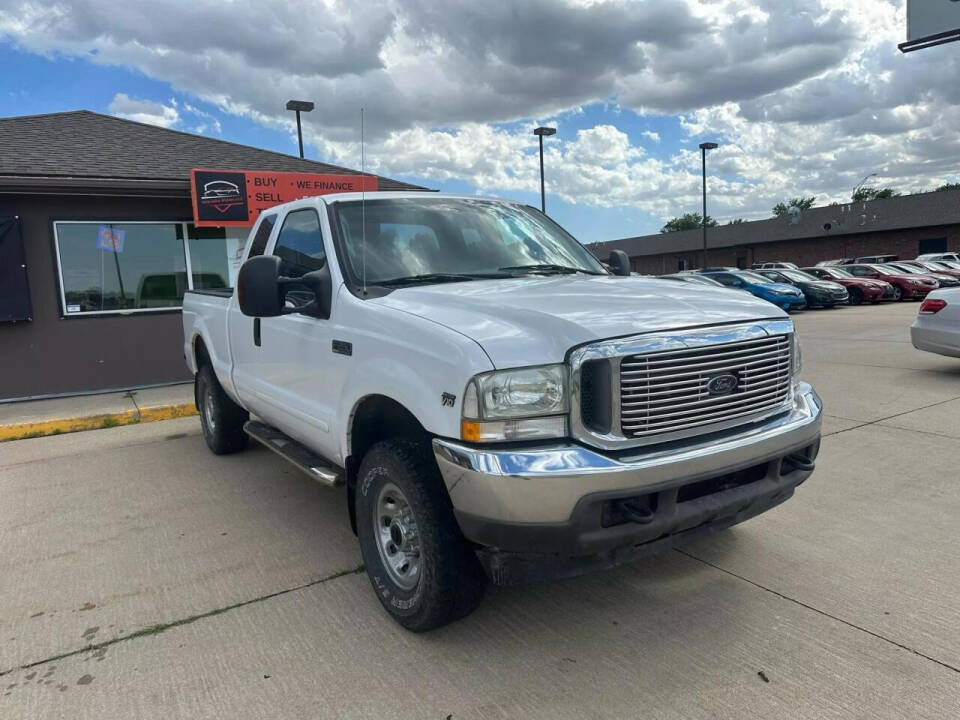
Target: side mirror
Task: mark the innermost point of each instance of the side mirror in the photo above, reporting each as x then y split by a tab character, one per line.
262	291
619	263
258	287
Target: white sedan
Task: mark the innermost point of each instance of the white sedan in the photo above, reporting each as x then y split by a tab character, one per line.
937	327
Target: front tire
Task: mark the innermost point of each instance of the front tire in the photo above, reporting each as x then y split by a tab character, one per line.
221	418
897	293
856	296
422	569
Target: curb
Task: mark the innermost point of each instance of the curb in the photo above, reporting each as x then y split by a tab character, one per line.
59	426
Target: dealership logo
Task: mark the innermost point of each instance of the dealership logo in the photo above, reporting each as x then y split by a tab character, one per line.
220	195
722	384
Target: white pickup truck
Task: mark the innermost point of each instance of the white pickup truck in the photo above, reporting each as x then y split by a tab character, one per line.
498	404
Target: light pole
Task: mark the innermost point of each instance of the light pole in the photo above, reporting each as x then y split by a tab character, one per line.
540	132
703	156
299	106
860	185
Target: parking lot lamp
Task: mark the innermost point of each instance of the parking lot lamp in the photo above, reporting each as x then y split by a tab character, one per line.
703	156
540	132
299	106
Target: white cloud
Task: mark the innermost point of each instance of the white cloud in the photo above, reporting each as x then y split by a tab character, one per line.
804	96
145	111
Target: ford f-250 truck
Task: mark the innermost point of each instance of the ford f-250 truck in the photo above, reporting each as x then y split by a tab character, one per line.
498	404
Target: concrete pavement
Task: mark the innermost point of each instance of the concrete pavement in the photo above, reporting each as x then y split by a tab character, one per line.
145	577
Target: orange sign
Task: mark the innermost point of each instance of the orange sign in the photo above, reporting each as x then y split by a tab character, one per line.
223	198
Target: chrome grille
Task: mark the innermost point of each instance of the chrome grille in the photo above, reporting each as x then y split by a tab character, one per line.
666	392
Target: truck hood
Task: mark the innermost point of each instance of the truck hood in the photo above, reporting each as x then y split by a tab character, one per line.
536	320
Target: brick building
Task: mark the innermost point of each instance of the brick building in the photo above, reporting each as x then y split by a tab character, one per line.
905	226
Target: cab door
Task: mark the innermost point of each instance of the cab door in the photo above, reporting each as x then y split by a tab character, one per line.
286	363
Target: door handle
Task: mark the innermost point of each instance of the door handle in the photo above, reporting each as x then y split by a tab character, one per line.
256	332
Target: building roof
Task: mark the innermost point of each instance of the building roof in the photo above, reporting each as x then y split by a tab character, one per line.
907	211
84	148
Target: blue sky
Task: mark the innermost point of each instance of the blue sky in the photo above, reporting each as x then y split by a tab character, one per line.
801	108
43	84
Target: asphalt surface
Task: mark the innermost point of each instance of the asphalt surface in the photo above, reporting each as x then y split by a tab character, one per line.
143	577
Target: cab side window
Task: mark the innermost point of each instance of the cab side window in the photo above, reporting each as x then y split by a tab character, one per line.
259	244
300	244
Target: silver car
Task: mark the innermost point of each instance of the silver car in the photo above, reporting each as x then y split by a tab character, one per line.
937	327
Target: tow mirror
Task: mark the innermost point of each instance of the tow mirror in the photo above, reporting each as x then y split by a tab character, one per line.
619	263
262	291
258	287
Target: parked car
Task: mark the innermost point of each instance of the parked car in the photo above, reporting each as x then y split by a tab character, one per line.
876	258
693	278
782	295
930	268
774	266
860	290
482	386
955	257
906	286
937	327
818	293
832	263
943	280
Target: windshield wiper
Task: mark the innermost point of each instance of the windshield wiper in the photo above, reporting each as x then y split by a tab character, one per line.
548	269
425	278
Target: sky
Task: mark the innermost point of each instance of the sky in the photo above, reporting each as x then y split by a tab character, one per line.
804	97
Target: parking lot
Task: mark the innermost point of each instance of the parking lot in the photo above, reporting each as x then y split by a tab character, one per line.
144	577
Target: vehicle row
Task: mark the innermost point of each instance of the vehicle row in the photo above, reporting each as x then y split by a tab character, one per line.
825	286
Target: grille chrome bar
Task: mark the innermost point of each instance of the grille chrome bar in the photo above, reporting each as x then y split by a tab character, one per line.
665	392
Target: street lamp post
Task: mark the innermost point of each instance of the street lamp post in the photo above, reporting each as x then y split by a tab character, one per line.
703	156
540	132
299	106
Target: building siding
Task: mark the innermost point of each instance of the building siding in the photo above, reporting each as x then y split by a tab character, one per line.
55	355
806	252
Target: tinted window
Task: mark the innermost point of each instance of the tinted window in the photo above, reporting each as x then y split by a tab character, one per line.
259	244
300	244
861	271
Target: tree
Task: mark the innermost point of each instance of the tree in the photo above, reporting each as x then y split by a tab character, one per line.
687	221
736	221
803	203
949	186
865	193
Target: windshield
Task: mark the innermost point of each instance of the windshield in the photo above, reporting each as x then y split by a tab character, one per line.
907	269
797	275
837	272
754	278
442	239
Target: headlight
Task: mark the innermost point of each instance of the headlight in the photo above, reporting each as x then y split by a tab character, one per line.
522	404
796	353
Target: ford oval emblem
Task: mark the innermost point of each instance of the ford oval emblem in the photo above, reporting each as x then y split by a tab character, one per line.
722	384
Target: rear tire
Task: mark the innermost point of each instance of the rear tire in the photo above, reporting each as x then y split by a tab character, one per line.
220	417
422	569
856	296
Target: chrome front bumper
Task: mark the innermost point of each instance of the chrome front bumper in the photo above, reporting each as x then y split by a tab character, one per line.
543	484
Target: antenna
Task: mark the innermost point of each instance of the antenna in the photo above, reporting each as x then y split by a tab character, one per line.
363	210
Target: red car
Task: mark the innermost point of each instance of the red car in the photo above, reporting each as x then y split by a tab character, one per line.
905	285
860	289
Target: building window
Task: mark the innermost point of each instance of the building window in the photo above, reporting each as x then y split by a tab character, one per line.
933	245
215	255
124	267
